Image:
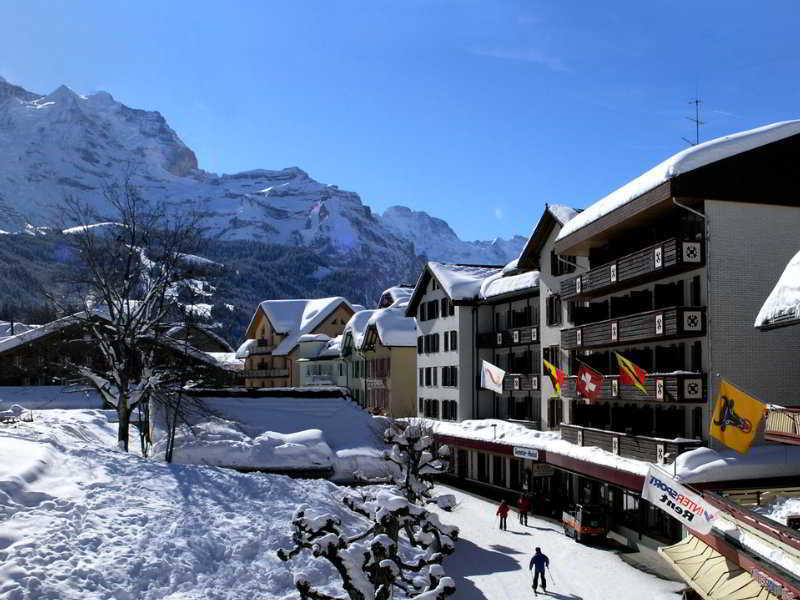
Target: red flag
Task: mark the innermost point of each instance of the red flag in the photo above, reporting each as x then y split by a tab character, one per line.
630	374
590	382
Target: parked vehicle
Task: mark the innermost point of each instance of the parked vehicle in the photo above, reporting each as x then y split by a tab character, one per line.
585	522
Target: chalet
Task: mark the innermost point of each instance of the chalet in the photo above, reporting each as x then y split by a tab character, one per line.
321	361
273	337
41	356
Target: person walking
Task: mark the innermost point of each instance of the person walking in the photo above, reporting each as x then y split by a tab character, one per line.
538	563
502	510
523	506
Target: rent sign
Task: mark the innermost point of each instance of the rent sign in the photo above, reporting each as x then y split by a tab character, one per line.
677	501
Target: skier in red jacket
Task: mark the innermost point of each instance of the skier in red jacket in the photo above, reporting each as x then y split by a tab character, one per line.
502	510
523	505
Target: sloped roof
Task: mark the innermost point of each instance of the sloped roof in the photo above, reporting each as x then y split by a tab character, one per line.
461	283
677	164
782	306
552	216
498	285
394	328
295	318
357	327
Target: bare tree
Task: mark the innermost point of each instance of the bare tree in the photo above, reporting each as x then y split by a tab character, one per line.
129	266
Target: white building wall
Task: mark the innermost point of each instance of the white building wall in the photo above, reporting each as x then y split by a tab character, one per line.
748	248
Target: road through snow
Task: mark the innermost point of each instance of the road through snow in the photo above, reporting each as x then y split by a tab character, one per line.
490	564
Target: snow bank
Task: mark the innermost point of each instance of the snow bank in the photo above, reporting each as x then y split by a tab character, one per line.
784	300
80	520
762	546
462	282
705	464
48	397
283	434
682	162
550	441
782	508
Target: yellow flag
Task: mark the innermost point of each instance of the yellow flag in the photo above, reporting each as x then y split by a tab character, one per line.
557	376
736	417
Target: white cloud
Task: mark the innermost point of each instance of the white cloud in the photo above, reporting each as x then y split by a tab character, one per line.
498	213
531	55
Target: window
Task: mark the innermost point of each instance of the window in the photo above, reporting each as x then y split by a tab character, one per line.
561	265
452	308
444	307
483	467
554	309
454	410
498	470
421	405
433	309
419	344
422	377
423	312
552	354
446	376
696	301
453	340
446	410
428	378
435	376
555	412
427	344
446	341
435	343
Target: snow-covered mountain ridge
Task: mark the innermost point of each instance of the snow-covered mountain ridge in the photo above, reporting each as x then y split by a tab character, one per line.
63	143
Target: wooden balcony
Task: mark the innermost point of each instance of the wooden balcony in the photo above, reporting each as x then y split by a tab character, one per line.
517	336
783	425
673	387
264	373
648	264
639	447
642	327
520	382
261	347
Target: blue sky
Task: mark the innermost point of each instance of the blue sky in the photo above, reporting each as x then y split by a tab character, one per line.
476	112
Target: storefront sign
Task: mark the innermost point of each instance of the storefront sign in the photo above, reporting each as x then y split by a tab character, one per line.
529	453
542	470
677	501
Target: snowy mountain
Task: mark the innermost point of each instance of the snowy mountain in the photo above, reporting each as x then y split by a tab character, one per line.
64	143
435	239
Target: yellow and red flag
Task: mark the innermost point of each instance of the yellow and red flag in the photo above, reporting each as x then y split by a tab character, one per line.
736	417
630	374
557	376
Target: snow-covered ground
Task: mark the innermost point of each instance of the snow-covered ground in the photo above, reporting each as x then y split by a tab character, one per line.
80	520
490	564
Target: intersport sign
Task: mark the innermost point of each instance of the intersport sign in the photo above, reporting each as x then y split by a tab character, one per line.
689	508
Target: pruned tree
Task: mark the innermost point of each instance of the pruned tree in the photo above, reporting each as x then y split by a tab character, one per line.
415	460
129	267
371	564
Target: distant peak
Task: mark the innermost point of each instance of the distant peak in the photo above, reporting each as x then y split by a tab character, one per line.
101	98
62	92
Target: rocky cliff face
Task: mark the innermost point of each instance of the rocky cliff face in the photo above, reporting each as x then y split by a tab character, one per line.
67	144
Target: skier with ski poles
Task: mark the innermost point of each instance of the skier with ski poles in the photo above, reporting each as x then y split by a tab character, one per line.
538	563
502	511
524	505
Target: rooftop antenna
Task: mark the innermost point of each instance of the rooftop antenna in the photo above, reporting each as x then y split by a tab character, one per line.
697	122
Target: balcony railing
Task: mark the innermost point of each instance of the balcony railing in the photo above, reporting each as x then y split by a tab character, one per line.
783	425
261	347
649	263
261	373
669	387
639	447
651	325
509	337
521	382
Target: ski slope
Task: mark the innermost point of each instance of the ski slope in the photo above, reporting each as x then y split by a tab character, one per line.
490	564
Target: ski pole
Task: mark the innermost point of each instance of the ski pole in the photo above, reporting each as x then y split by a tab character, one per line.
550	573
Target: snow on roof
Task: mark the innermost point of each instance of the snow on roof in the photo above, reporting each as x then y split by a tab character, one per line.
550	441
562	213
497	285
283	433
705	464
177	331
314	337
512	266
357	326
399	292
682	162
332	348
243	351
19	339
296	318
784	300
227	360
462	282
394	327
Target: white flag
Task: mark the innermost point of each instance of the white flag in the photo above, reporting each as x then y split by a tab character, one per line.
492	377
688	508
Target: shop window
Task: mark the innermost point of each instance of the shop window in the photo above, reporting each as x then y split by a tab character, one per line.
498	471
483	467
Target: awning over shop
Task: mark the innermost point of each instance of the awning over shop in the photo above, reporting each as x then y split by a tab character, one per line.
712	575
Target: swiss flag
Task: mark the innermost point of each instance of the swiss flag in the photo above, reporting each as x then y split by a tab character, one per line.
590	382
